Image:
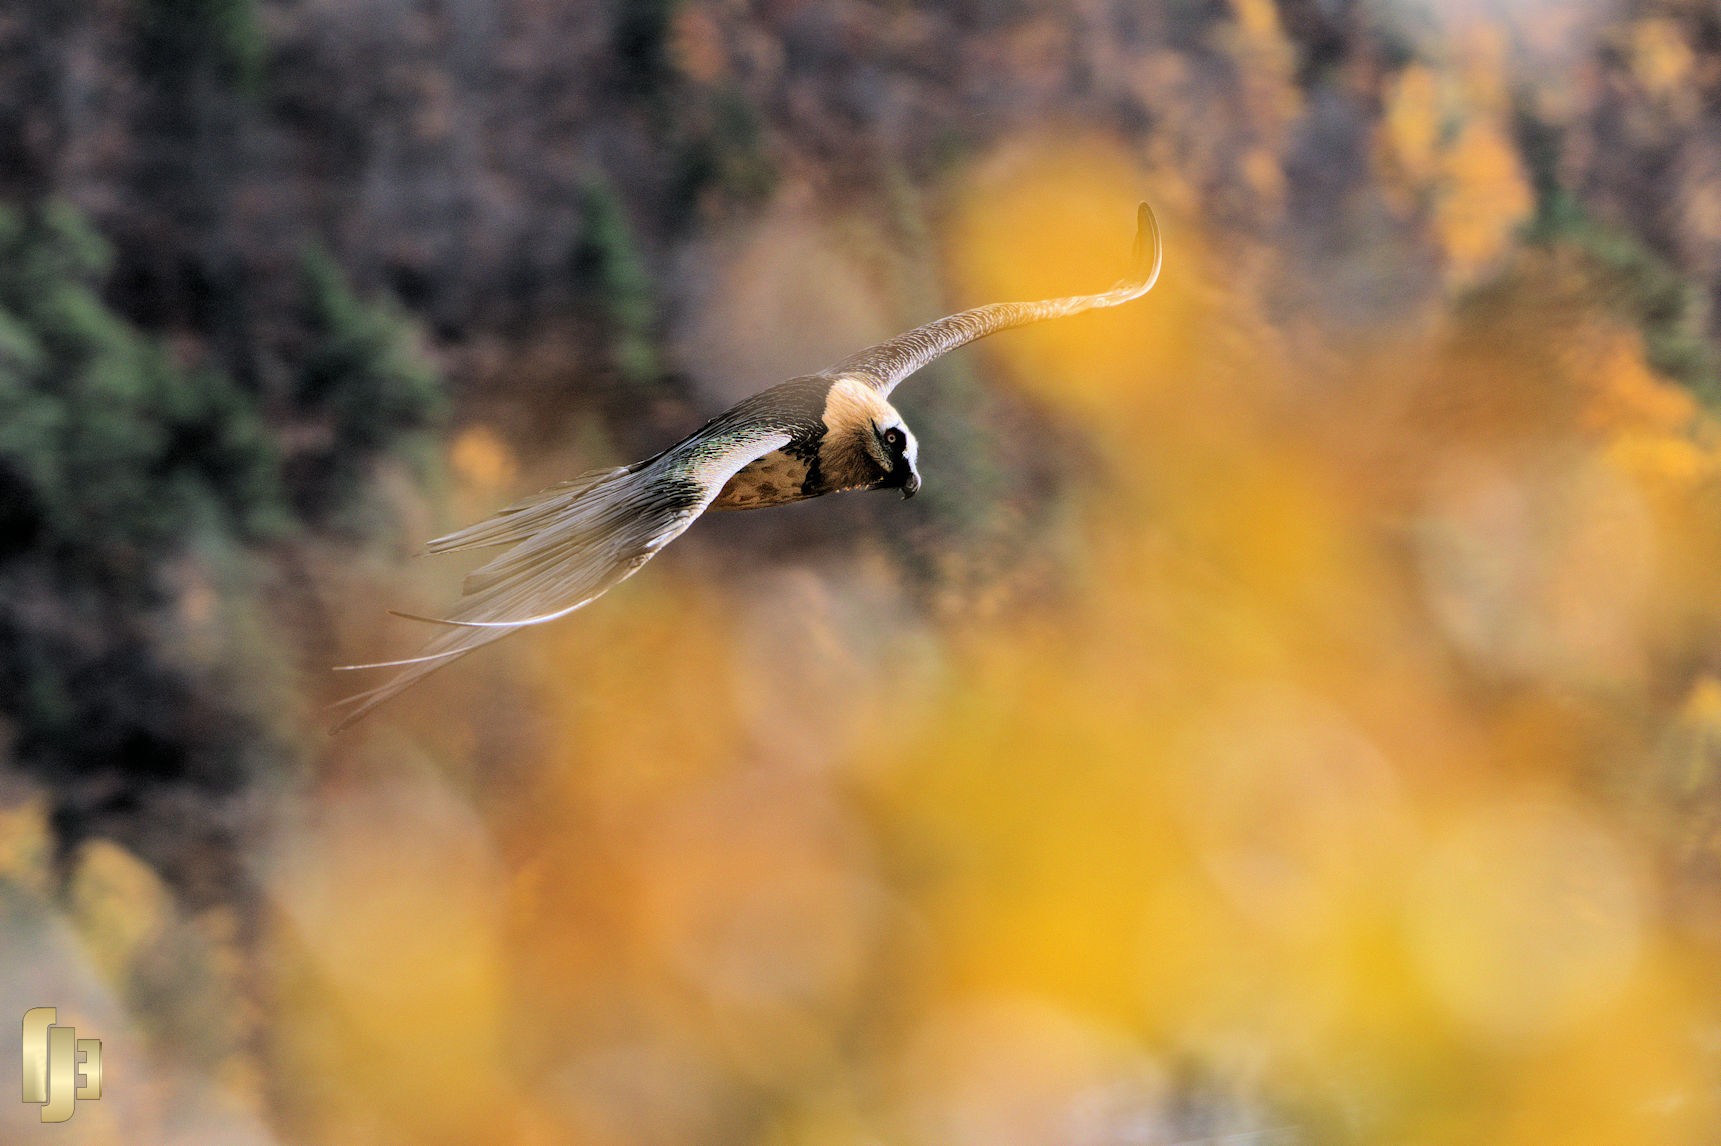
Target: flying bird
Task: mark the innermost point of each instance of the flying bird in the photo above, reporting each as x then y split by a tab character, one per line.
828	432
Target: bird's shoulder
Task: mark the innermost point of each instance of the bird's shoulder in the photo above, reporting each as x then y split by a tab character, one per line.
795	407
792	405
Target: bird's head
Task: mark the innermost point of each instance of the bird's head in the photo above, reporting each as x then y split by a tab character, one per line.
867	444
896	453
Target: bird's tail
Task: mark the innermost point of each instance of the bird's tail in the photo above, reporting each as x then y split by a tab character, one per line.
567	545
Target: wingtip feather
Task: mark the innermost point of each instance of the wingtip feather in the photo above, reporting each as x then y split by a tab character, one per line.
395	664
1149	247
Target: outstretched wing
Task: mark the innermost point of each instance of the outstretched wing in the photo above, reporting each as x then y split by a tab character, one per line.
888	363
570	544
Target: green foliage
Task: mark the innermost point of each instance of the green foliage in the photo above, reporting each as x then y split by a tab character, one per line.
363	381
181	40
108	450
723	150
1640	286
135	493
120	472
712	134
610	270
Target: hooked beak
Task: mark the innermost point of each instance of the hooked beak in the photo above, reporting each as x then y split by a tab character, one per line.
910	485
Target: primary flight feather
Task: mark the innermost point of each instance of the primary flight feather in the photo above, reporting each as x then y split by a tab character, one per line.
823	433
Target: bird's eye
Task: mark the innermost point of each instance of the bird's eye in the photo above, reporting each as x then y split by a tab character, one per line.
893	437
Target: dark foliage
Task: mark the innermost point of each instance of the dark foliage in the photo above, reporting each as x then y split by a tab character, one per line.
140	497
182	42
1642	287
112	454
115	464
611	276
361	386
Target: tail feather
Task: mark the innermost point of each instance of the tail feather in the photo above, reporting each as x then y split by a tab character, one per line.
571	543
442	650
523	519
394	664
602	523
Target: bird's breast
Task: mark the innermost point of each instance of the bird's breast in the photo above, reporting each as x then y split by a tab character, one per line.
775	479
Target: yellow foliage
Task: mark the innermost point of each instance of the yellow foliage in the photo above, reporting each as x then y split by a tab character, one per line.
1526	920
26	844
1259	19
1485	198
1268	60
1629	397
483	460
1660	58
1298	781
696	45
1413	123
1446	141
118	905
1325	770
389	978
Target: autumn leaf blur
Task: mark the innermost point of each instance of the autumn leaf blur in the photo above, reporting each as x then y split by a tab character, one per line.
1290	714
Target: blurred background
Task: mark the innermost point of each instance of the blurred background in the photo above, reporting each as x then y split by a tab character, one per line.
1291	713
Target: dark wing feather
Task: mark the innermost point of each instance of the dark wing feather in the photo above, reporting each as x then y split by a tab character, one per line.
888	363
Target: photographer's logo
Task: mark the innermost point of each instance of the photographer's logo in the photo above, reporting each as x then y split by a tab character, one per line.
52	1072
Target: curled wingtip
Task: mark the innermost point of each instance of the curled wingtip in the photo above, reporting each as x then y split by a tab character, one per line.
1149	247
